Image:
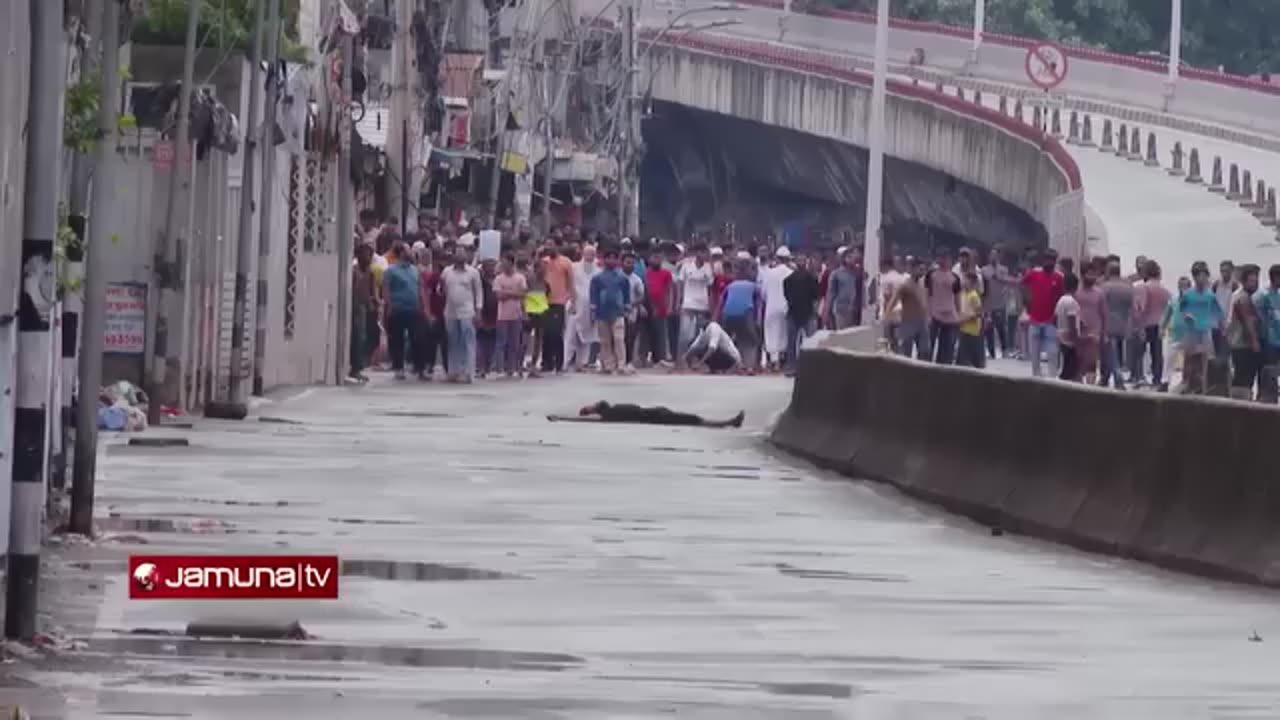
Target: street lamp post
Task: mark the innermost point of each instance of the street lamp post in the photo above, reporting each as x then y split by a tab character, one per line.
1175	41
875	143
979	27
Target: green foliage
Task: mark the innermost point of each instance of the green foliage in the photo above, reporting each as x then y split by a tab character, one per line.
65	241
80	119
1234	34
224	24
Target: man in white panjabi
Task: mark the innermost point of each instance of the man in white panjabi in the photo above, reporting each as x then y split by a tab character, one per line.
580	332
775	306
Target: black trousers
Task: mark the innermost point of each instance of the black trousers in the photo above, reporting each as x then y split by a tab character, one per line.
435	341
403	331
553	339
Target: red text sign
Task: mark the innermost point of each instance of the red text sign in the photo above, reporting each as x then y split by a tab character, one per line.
233	577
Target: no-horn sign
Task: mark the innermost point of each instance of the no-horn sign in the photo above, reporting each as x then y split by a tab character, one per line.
1046	65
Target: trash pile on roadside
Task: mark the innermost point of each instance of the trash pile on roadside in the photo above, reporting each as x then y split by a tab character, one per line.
122	407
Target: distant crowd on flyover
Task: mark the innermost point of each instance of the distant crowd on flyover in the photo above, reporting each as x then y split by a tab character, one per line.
1097	324
436	305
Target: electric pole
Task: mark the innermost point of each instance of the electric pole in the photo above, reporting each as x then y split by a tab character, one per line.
265	215
346	224
73	271
94	318
549	68
628	170
164	270
235	406
401	141
37	296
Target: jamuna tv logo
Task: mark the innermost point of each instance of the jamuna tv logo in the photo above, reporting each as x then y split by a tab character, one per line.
146	577
223	577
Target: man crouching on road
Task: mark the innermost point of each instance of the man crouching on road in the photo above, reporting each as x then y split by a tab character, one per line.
713	349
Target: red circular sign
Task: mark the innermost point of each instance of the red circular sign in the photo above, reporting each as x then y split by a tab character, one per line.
1046	65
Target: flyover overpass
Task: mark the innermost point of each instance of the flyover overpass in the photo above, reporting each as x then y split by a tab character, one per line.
1130	207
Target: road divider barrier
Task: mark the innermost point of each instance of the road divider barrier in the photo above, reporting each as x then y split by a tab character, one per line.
1186	483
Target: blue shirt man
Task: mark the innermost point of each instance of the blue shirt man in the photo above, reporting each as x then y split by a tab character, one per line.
739	299
1268	304
400	282
610	292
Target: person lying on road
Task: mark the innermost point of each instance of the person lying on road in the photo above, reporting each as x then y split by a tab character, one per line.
625	413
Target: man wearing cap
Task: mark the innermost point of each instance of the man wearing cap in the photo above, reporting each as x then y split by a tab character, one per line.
775	306
845	293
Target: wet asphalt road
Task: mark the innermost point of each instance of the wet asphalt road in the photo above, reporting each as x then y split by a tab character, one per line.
501	566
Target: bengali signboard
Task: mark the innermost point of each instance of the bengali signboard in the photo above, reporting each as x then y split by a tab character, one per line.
126	327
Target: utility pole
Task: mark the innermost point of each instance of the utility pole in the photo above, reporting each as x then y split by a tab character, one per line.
875	166
346	224
235	406
164	271
629	168
94	319
73	271
36	299
549	69
979	29
1175	42
400	145
265	216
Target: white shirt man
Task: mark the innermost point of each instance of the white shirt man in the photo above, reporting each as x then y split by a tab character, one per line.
775	304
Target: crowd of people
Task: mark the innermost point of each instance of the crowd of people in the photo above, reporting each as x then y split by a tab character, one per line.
576	301
1096	324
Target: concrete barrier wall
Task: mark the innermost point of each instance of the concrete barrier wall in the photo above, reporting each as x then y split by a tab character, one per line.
773	86
1184	483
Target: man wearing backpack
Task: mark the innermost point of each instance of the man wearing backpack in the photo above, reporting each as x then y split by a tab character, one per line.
1268	303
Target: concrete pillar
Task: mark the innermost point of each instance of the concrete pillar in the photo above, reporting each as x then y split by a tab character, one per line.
1073	129
1153	159
1017	109
1135	145
1004	105
1107	139
1086	131
1057	123
1215	179
1260	202
1268	217
1233	183
1177	155
1122	141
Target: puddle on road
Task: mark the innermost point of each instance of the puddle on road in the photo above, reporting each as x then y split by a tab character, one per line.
419	571
415	414
433	657
813	574
370	521
837	691
118	523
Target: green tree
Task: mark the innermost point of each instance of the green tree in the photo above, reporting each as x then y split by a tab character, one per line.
224	24
1233	34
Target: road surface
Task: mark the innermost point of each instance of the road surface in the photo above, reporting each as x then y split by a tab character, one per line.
501	566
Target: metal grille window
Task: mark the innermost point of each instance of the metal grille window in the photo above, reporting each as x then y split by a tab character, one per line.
317	206
296	190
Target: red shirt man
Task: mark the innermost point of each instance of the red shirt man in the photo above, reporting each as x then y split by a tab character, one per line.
1044	288
657	285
